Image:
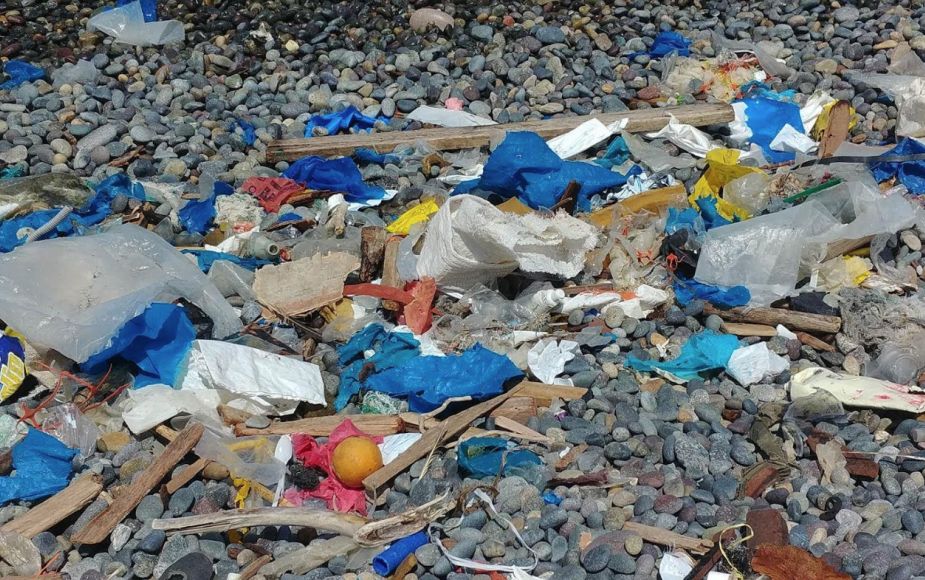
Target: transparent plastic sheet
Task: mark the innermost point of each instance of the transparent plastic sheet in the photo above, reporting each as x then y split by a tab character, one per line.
71	427
252	458
82	72
906	62
38	192
741	253
111	278
232	280
750	192
899	362
893	274
637	240
909	94
771	65
126	24
656	158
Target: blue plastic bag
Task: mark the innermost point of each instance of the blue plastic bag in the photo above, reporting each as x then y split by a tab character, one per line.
250	135
366	155
667	42
156	340
710	215
428	381
909	173
392	557
196	215
766	118
334	123
119	184
487	456
523	166
205	259
391	349
617	153
20	72
341	175
686	290
42	467
148	8
702	352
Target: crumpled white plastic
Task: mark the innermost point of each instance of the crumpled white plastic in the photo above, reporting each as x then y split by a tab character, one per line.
548	357
447	117
749	364
394	445
127	24
267	380
865	392
810	111
147	408
687	137
584	136
789	139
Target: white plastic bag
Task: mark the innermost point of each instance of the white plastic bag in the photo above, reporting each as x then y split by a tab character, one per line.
150	406
126	24
74	294
548	357
749	364
447	117
687	137
469	241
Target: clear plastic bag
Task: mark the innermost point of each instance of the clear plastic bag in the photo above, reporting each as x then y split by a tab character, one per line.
72	428
750	192
126	24
73	294
909	94
250	458
899	362
232	280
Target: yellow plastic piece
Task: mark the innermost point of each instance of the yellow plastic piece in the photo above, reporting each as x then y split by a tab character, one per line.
722	167
417	214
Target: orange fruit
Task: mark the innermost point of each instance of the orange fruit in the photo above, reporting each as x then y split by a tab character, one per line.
354	459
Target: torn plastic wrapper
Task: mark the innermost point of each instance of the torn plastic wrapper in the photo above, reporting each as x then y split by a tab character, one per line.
389	349
687	290
252	458
112	277
13	369
789	140
702	352
73	428
127	24
265	380
749	364
722	167
469	242
19	72
687	137
196	215
909	173
446	117
765	119
655	158
42	466
857	391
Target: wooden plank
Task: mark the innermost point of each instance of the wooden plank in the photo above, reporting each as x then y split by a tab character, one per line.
516	408
99	528
662	537
450	139
747	329
57	508
372	252
810	340
774	316
323	426
390	276
544	394
328	521
519	428
446	429
186	475
837	130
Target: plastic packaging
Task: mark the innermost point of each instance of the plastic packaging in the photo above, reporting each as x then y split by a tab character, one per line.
390	558
111	278
232	280
750	192
899	362
655	158
447	118
492	456
251	458
705	351
42	466
71	427
12	363
127	24
19	72
749	364
82	72
909	94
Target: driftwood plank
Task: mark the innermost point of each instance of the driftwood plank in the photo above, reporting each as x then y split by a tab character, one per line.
773	316
449	139
57	508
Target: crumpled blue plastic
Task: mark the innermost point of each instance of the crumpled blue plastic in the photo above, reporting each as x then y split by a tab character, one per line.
766	118
710	215
42	467
366	155
523	166
196	215
616	154
13	171
392	557
148	8
428	381
341	175
705	351
686	290
20	72
667	42
156	340
551	498
687	219
391	349
289	217
760	89
483	457
910	173
250	135
205	259
95	211
334	123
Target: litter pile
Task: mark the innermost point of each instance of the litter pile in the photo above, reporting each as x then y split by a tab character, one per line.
678	342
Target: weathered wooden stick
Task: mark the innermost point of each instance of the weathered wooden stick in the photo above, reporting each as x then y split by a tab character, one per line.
774	316
338	523
449	139
668	538
323	426
57	508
